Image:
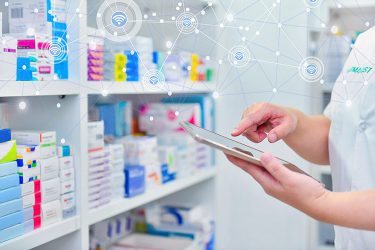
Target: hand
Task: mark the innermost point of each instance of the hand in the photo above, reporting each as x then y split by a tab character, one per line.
297	190
263	118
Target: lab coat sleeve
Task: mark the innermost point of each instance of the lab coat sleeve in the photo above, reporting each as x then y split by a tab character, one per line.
328	111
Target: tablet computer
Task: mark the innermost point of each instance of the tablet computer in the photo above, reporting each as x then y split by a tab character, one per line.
231	147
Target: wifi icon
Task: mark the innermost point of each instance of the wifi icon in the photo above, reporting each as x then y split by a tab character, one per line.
55	50
119	19
154	80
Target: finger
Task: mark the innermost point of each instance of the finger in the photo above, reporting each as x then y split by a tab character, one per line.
250	122
279	132
257	172
275	168
256	136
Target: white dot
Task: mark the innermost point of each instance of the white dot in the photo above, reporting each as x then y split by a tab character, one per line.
277	53
153	13
80	15
24	67
36	10
67	36
37	92
187	9
151	118
62	141
179	4
274	5
169	44
173	18
322	81
170	93
210	4
274	90
77	10
145	16
208	58
177	8
344	82
277	1
161	20
6	4
348	103
243	39
240	27
104	92
215	95
339	5
334	29
174	67
22	105
203	12
323	25
177	113
58	105
279	25
221	25
189	68
220	61
257	33
55	19
30	32
115	33
365	83
308	10
169	52
247	28
196	31
98	15
230	17
367	23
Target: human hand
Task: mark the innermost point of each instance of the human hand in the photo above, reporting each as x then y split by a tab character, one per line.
263	120
295	189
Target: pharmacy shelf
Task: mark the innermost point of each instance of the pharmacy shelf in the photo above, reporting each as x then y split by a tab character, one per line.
326	248
47	88
124	205
43	235
142	88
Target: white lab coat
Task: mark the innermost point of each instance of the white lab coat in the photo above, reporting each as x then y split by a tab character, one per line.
352	135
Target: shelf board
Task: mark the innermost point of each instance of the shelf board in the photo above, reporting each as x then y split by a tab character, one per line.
124	205
321	247
96	88
47	88
43	235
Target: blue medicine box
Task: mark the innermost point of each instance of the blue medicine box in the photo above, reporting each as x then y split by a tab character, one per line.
11	220
135	182
10	207
8	168
5	135
11	232
10	194
9	181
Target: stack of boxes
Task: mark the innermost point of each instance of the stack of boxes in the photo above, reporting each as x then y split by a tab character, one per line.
99	168
11	214
95	57
39	148
141	157
67	179
132	66
116	162
145	48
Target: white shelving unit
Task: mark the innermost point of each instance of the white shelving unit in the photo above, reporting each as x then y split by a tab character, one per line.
70	122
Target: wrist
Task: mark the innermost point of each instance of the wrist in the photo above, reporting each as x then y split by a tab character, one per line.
320	206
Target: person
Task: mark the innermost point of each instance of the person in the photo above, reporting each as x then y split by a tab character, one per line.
344	138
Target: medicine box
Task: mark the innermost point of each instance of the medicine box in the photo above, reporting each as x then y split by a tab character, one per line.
49	168
10	207
67	213
51	212
8	61
32	224
48	150
8	168
5	135
10	194
95	134
9	181
135	180
24	165
11	220
63	151
34	137
32	212
11	232
68	201
66	162
67	187
29	175
31	200
8	151
67	174
50	190
28	151
30	188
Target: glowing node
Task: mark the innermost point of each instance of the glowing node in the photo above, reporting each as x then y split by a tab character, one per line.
24	67
177	8
203	12
220	61
154	77
58	105
119	20
257	33
344	82
311	69
170	93
154	14
187	23
6	4
367	24
239	56
37	92
161	20
22	105
151	118
104	92
36	10
277	53
177	113
365	83
313	3
274	90
62	141
322	81
230	18
215	95
187	9
348	103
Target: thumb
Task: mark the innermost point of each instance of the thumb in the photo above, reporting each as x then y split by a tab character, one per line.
274	167
278	133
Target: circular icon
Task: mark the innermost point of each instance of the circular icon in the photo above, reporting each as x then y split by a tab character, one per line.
313	3
311	69
120	20
187	23
55	51
239	56
154	77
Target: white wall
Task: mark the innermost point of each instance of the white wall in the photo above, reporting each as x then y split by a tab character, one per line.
246	217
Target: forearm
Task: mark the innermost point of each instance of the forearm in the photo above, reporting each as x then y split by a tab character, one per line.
310	139
352	209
